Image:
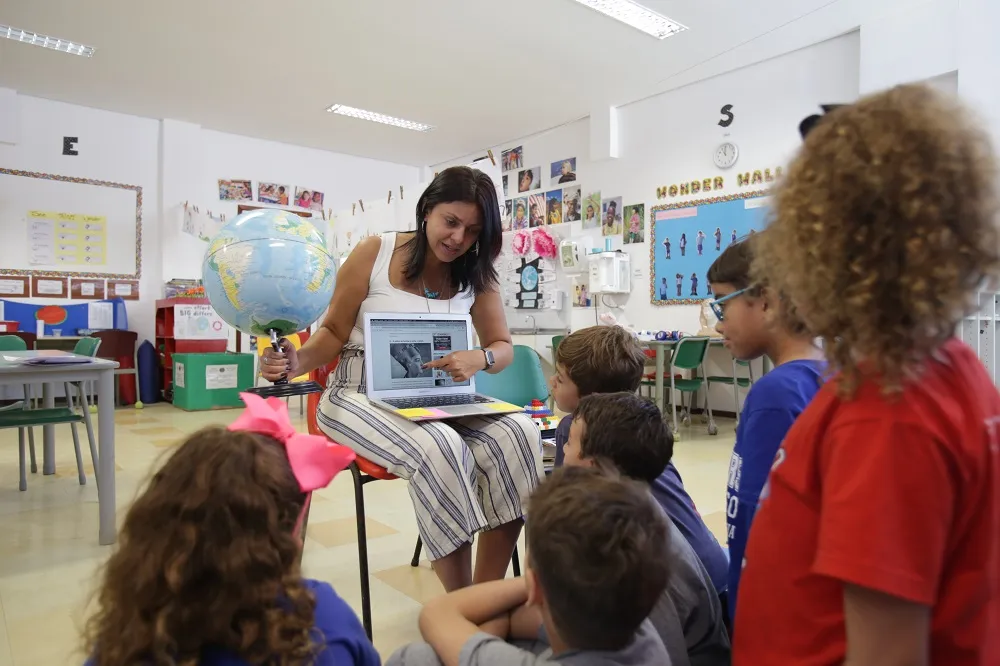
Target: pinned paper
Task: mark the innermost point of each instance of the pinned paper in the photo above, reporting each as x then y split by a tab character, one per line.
415	412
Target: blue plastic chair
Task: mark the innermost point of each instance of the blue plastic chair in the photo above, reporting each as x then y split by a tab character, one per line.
519	383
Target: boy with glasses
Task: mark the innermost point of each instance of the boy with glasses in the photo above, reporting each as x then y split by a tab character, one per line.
754	322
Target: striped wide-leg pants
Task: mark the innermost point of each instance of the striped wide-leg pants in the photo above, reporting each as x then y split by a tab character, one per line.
465	475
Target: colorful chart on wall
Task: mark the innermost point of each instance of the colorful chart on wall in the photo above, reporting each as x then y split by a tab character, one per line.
685	238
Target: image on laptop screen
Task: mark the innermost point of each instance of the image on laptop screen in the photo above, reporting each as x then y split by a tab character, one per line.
399	349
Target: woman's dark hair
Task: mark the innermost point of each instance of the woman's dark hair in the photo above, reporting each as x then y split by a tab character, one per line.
474	268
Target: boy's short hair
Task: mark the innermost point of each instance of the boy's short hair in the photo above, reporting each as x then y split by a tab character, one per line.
735	266
598	545
628	432
602	359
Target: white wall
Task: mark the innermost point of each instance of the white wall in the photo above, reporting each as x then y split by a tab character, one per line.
112	146
174	162
196	158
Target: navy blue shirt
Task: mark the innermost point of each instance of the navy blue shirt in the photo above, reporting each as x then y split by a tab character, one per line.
337	629
669	491
771	407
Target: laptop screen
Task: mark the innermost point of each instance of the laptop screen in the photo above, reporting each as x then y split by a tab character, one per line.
400	347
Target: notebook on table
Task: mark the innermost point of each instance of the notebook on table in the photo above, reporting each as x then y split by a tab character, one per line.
396	348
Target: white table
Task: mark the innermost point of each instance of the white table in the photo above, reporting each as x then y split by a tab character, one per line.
100	371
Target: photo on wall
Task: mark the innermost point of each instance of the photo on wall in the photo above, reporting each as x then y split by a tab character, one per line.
235	190
520	214
571	204
536	210
563	171
581	297
272	193
506	189
505	220
635	224
311	199
611	216
592	210
529	179
553	207
685	238
512	158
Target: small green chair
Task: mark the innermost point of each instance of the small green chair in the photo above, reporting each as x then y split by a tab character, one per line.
736	382
689	354
519	383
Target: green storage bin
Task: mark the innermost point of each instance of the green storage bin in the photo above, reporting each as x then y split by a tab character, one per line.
211	380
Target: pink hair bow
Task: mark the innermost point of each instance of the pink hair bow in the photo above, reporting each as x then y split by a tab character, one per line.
314	460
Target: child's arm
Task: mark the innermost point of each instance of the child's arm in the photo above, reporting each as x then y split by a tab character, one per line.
449	621
884	630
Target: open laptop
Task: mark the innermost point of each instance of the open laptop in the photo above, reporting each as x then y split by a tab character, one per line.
396	348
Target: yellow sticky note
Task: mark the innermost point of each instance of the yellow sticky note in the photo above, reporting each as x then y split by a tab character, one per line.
414	412
503	406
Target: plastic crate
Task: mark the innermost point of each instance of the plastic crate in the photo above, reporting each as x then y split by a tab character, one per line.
211	381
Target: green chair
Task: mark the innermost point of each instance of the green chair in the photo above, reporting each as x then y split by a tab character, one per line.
16	343
736	382
87	347
689	354
519	383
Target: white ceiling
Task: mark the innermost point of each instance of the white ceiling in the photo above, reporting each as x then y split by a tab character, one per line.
483	72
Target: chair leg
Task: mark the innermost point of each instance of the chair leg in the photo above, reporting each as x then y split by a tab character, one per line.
90	433
76	437
23	483
673	403
736	392
415	562
359	504
516	561
31	450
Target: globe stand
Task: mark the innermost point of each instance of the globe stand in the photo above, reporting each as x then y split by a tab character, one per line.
283	388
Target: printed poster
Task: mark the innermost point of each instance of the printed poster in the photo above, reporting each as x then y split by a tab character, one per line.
68	239
198	322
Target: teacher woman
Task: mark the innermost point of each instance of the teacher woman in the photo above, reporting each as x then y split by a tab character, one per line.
465	475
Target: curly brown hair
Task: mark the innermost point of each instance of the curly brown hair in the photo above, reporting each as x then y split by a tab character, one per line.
207	558
882	231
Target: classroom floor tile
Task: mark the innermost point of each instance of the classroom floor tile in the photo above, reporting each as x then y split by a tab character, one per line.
50	559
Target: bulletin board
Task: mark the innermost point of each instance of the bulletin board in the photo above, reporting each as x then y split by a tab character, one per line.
61	226
686	238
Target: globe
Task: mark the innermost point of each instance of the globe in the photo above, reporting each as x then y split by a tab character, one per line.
269	270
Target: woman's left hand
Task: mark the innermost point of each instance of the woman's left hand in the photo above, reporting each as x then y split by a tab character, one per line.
461	365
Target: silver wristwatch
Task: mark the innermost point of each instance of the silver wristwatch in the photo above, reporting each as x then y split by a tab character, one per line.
489	358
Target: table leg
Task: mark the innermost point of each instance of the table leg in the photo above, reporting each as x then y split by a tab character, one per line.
660	363
106	455
48	433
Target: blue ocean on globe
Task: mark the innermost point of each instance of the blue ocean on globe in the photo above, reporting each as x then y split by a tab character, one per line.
267	270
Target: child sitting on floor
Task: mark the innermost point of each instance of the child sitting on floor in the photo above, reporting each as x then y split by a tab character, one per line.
207	565
608	359
754	321
598	562
628	432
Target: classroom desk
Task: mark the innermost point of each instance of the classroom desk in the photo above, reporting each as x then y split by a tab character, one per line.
661	347
99	371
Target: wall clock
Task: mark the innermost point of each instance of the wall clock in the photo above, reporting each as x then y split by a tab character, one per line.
726	155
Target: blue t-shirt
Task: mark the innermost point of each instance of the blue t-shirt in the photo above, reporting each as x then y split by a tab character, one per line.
772	405
337	629
669	491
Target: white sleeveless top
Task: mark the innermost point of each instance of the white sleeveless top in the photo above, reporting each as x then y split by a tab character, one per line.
383	297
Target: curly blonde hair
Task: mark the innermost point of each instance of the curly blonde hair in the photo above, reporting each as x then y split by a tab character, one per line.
207	558
883	230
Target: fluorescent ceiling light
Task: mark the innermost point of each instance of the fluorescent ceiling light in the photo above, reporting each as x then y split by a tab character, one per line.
361	114
635	15
45	41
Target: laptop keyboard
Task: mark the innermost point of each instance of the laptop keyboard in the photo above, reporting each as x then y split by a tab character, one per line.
437	401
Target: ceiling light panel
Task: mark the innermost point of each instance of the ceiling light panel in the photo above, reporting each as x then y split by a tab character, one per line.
45	41
635	15
361	114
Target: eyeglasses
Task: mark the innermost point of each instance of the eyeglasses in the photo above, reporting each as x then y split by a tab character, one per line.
718	305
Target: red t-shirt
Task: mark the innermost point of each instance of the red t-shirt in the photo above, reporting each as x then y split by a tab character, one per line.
895	495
